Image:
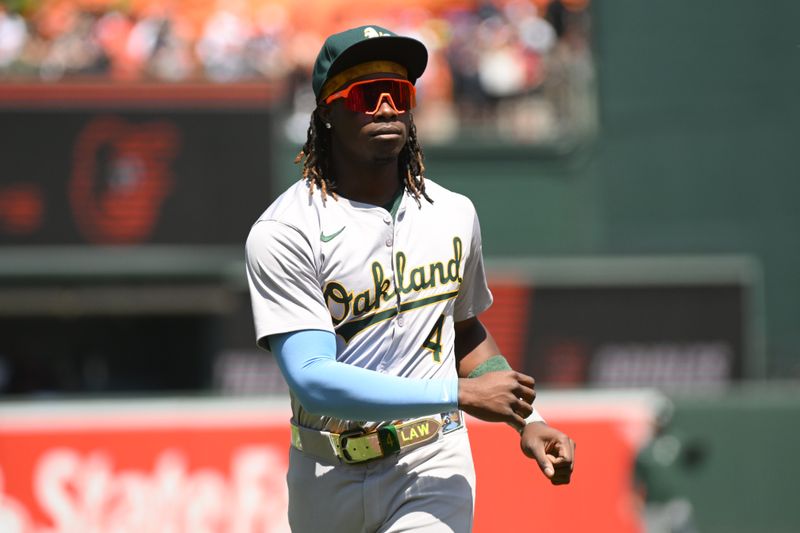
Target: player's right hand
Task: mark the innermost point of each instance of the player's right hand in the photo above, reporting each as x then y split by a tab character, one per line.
504	396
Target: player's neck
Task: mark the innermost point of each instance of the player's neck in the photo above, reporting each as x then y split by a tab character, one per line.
374	182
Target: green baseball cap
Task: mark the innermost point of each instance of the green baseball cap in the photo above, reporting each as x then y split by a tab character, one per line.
366	44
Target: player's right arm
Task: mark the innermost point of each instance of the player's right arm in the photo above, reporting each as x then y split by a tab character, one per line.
327	387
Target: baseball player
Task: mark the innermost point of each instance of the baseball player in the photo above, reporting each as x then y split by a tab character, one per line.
366	282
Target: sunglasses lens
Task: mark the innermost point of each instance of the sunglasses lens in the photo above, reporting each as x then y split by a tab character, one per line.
364	98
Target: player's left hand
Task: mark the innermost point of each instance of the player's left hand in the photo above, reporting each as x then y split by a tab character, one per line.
553	451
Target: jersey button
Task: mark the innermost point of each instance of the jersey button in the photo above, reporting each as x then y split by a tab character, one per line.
387	219
389	242
401	320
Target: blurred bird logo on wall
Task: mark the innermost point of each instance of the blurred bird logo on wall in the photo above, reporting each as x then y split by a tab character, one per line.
121	176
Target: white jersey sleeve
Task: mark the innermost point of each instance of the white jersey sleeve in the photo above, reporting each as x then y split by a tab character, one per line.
284	284
474	296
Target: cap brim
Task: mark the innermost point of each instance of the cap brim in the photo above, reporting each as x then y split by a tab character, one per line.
406	51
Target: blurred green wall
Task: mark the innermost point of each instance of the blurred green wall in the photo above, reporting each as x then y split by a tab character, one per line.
745	479
697	152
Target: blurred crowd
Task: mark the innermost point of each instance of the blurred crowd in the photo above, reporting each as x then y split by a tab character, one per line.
522	67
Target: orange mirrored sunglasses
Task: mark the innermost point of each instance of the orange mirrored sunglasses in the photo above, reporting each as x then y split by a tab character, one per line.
366	96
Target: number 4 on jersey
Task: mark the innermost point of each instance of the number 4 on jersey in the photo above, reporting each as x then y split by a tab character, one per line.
434	340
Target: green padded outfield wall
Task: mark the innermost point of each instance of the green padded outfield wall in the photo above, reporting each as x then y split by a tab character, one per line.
698	152
745	478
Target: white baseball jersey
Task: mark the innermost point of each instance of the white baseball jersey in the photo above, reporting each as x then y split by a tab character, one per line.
390	289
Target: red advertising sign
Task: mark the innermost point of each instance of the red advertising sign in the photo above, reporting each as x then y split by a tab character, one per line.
219	467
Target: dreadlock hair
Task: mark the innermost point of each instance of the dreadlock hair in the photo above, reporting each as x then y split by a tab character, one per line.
315	157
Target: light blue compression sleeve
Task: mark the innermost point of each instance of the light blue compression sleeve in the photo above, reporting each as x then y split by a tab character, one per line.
326	387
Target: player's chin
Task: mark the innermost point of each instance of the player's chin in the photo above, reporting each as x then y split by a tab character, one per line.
386	150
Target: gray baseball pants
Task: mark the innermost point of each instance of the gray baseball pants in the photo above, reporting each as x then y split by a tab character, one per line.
429	489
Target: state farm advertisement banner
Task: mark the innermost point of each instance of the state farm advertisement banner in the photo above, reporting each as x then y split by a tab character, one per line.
203	466
144	467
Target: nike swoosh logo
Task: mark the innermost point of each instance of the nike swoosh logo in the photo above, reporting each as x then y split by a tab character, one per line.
328	238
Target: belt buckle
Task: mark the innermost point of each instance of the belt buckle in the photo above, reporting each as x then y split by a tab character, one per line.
344	453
